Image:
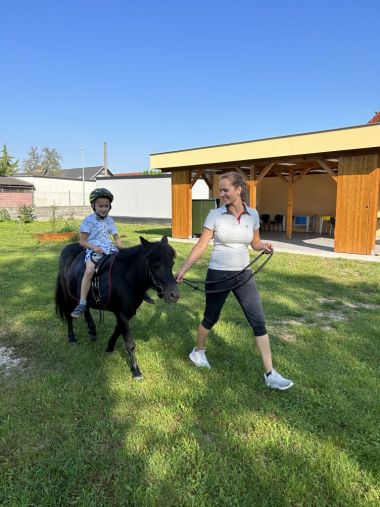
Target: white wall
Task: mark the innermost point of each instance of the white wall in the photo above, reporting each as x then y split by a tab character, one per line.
200	190
145	196
135	196
59	191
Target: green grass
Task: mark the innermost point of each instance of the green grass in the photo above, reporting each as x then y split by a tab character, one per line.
77	430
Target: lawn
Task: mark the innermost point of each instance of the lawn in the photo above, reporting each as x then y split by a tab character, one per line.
77	430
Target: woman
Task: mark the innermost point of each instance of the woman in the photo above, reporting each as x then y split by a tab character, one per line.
233	227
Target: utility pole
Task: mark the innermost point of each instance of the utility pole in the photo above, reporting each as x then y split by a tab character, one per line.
105	159
82	150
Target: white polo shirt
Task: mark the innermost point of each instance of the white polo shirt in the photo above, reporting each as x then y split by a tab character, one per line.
232	236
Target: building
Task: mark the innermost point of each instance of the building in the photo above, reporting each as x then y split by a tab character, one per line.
15	192
327	173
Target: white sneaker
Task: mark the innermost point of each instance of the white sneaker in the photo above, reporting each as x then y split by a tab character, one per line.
277	381
199	358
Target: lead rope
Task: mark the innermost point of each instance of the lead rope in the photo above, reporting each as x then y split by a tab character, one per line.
194	284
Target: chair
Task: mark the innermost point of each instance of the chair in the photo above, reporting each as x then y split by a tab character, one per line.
277	221
332	226
264	221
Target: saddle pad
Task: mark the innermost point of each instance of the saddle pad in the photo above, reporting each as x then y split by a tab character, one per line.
99	296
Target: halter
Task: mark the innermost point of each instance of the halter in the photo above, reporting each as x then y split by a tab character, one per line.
159	289
194	284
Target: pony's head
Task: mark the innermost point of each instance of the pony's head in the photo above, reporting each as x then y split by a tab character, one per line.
160	261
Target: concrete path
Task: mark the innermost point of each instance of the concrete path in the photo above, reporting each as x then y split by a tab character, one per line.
306	244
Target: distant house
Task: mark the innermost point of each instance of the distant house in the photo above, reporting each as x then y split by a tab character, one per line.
90	173
14	192
375	119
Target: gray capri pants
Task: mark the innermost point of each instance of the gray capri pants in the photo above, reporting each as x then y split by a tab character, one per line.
247	295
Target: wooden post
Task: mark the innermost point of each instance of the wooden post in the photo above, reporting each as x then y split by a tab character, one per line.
252	188
289	216
357	204
181	204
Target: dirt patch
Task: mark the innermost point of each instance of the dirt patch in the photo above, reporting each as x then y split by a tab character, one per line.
326	300
332	316
367	306
8	360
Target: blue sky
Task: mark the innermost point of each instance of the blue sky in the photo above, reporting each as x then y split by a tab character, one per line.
149	76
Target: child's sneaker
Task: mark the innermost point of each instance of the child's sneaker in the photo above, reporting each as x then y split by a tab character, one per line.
199	358
79	311
277	381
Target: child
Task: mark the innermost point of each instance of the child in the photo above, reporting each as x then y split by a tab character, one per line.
94	236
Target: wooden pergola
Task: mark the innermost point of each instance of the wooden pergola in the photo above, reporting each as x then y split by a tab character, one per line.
350	156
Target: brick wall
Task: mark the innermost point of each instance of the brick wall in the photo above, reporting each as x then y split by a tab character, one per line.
14	199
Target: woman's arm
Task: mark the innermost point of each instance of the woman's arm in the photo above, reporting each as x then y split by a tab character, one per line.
259	245
195	253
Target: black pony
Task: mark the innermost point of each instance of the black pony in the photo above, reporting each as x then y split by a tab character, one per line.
125	277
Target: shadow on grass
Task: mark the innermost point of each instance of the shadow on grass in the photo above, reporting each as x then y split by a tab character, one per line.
79	430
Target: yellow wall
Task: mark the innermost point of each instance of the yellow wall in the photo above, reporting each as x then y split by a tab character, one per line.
313	195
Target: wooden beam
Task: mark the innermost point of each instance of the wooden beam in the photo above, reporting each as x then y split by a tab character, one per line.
265	171
196	177
328	169
289	216
282	178
207	181
304	172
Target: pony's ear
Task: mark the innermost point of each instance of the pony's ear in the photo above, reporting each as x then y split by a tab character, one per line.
144	242
164	240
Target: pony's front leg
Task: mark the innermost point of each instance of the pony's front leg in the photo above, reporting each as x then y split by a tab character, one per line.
115	335
90	325
70	330
130	346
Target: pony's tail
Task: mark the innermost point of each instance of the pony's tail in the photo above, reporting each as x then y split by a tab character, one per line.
59	299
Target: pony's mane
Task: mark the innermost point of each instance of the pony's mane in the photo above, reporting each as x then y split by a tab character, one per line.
131	251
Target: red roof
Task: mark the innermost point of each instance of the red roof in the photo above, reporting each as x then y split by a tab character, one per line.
376	118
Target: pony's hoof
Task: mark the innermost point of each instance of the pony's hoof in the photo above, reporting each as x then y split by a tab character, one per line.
136	374
92	337
73	343
110	351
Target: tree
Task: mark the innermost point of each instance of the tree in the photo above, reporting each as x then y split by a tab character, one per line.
7	167
51	162
32	164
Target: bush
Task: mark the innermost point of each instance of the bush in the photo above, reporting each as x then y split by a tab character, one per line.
4	215
25	213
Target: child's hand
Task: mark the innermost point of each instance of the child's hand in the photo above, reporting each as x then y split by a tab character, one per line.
98	250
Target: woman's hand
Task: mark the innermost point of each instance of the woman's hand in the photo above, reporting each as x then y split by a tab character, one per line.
180	275
259	245
268	248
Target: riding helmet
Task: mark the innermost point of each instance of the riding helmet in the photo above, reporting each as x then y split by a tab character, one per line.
100	192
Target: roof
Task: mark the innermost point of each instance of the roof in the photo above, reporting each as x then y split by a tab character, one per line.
90	173
376	118
11	181
332	142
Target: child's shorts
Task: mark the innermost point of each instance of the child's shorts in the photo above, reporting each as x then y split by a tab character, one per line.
95	257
